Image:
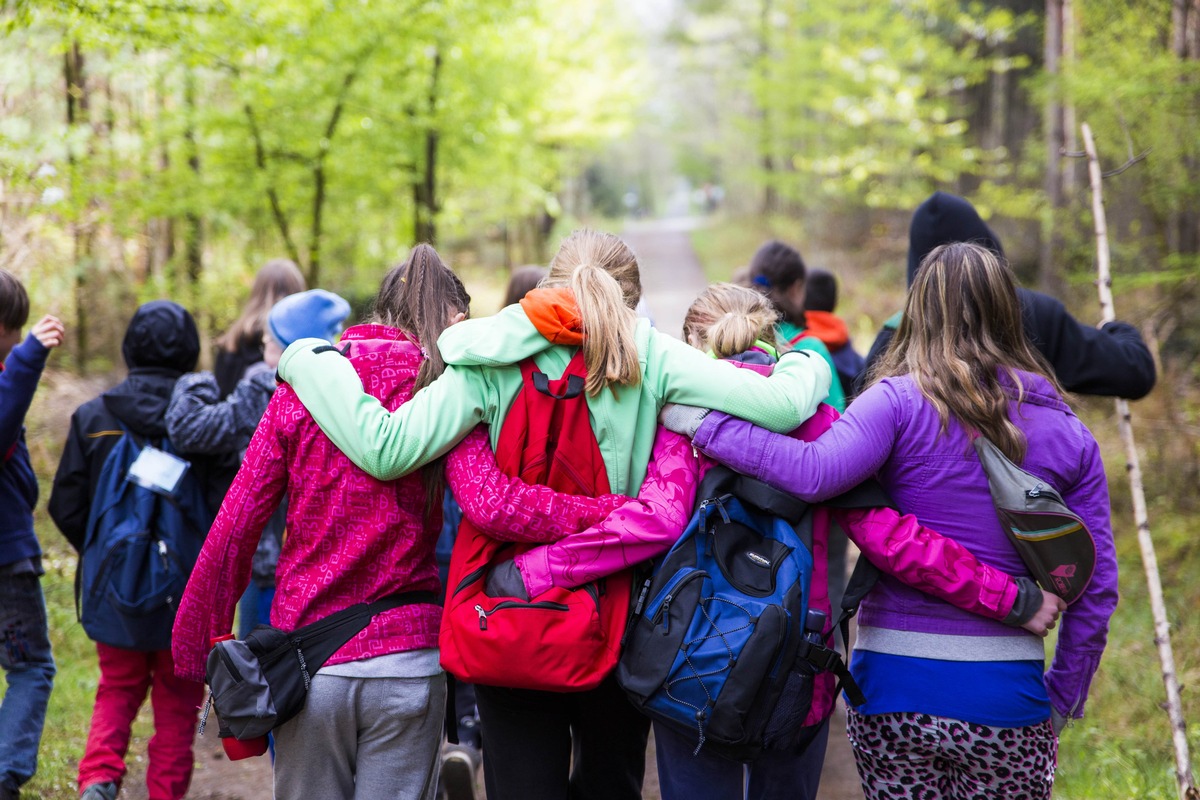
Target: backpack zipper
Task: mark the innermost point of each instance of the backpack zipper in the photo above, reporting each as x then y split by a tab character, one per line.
543	604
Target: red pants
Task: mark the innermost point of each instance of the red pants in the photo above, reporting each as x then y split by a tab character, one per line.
125	676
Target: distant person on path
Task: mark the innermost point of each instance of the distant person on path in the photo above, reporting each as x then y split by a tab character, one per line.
199	421
820	302
241	346
1109	360
239	349
25	655
161	343
521	282
632	370
778	271
956	704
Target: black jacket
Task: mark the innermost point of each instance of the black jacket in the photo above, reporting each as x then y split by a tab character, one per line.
1112	360
160	344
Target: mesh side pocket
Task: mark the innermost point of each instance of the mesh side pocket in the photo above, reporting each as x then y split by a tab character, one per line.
785	727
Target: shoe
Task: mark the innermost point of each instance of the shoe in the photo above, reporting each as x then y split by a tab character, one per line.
9	791
457	778
469	734
100	791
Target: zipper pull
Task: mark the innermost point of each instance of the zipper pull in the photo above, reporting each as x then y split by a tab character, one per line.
641	601
204	714
666	612
1035	491
482	617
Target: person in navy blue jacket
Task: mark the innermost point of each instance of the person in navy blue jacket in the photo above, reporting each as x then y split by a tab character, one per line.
25	654
1111	360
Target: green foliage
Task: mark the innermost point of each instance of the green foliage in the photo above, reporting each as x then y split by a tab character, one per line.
853	100
256	128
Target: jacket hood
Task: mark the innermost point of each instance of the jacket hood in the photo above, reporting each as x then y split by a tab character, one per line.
161	335
942	219
831	329
140	401
544	319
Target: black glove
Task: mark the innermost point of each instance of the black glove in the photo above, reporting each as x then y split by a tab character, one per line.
505	581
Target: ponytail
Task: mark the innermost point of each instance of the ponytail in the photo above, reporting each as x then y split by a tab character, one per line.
418	297
602	272
728	320
732	334
609	348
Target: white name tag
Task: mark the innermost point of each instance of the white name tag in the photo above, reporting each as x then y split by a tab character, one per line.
157	470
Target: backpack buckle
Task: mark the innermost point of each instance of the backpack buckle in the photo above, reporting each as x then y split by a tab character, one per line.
820	657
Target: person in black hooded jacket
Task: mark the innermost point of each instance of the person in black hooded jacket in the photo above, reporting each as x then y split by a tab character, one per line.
161	344
1112	360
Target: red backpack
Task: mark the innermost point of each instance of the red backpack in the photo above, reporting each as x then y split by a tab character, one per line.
563	639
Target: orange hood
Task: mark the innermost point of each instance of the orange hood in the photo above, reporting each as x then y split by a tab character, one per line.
555	315
831	329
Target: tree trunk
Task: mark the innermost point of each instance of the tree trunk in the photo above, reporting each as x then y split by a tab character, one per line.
194	228
425	201
1184	225
75	84
260	161
770	199
1162	628
1049	275
319	178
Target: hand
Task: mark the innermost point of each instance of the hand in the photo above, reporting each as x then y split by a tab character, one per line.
682	419
49	331
505	580
1044	619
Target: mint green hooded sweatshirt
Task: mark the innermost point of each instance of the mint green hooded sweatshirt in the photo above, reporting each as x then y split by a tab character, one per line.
483	377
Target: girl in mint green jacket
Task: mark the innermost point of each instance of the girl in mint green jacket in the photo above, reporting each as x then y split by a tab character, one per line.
587	301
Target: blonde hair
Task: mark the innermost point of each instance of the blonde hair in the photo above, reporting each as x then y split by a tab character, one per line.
728	319
961	331
277	279
602	272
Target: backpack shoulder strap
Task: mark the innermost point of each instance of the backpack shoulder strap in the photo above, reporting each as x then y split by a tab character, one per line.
721	480
868	494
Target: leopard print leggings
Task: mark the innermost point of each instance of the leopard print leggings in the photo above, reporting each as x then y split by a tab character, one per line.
923	757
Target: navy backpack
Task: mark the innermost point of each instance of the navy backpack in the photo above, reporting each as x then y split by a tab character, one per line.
722	643
139	550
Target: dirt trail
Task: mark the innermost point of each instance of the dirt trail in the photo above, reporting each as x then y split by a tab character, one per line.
671	279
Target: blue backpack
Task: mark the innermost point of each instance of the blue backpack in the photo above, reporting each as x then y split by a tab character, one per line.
139	550
722	643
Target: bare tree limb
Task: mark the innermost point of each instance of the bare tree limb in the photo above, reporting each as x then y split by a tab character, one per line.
1162	628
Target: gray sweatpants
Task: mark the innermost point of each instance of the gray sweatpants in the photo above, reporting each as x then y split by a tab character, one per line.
363	739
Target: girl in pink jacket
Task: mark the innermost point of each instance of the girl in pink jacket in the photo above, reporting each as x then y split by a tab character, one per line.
372	723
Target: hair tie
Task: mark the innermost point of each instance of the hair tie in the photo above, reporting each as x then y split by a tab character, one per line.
424	352
761	280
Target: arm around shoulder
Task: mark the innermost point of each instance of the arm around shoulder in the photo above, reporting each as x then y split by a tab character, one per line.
385	444
779	402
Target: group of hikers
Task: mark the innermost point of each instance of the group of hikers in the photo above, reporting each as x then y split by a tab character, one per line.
311	472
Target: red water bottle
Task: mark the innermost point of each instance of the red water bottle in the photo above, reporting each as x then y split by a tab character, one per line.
237	749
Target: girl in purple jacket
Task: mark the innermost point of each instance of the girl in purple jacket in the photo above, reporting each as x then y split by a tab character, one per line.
957	705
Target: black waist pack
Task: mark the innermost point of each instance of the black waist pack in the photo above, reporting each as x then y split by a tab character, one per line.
258	683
